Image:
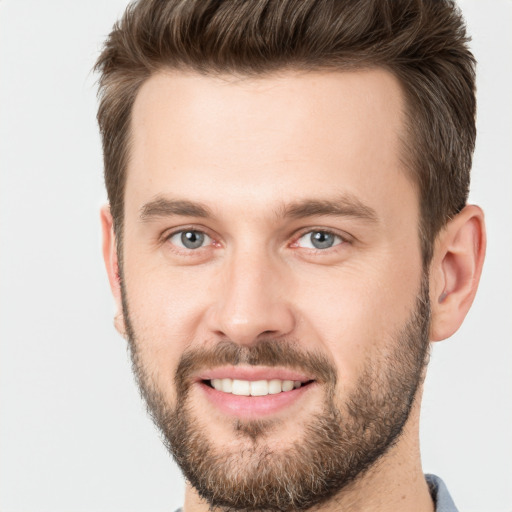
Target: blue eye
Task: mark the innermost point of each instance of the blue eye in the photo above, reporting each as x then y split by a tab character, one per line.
319	240
190	239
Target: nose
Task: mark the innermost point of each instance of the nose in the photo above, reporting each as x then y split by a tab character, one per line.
252	301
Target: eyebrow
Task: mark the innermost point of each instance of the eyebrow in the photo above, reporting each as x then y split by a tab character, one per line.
343	206
162	207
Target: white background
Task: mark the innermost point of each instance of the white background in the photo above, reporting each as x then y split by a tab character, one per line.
73	432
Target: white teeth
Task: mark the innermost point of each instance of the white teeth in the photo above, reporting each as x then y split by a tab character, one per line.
287	385
227	385
259	388
254	388
241	387
275	386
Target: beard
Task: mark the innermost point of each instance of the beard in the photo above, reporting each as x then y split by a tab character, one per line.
336	446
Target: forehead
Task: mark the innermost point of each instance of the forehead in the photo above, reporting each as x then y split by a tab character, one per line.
265	139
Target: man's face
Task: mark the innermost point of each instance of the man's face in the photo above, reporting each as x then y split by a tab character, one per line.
272	278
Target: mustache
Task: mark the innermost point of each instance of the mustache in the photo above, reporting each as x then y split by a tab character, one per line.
272	353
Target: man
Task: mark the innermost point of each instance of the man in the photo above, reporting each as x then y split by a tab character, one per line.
287	234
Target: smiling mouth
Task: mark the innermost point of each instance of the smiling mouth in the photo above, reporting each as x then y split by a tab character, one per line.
255	388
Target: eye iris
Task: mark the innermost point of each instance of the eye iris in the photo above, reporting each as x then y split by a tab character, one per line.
322	240
192	239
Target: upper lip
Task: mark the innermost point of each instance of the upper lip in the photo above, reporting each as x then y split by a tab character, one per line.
252	373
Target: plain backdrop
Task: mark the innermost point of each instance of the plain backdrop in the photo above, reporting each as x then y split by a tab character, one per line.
74	435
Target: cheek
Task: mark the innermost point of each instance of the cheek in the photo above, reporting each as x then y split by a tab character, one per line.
165	308
356	315
165	298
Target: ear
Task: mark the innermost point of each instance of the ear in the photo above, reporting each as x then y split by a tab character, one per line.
111	260
455	271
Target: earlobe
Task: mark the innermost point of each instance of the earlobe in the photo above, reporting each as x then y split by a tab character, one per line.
111	260
120	325
455	271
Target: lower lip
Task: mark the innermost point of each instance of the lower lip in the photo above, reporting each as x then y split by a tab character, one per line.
253	407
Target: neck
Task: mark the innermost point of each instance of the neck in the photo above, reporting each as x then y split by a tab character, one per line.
395	483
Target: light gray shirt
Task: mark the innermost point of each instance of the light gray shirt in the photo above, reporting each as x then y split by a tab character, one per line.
440	494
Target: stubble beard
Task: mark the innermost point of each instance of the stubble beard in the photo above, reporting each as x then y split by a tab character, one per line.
336	447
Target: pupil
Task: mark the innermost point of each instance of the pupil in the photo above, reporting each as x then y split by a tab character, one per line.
192	239
322	240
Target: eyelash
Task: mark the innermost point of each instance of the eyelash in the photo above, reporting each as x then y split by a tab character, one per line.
342	240
168	236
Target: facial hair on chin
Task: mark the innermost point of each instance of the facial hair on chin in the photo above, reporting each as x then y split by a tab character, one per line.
337	446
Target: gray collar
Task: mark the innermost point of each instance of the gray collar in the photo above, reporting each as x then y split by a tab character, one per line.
440	494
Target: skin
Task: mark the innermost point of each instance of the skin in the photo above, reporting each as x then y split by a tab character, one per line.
246	149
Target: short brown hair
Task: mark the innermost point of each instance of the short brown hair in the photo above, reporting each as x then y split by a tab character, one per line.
422	42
